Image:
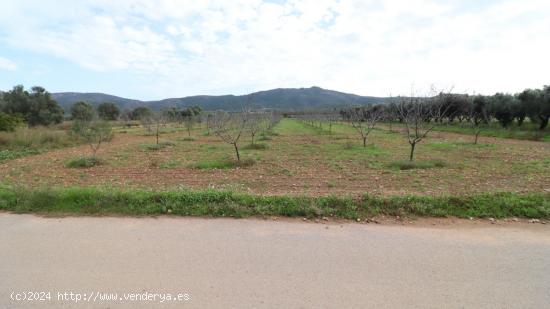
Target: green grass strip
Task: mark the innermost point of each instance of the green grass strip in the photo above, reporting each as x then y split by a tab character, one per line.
94	201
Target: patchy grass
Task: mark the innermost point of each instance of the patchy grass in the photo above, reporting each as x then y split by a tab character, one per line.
94	201
14	154
410	165
442	145
224	164
83	162
159	146
457	145
170	164
256	146
265	137
528	131
188	139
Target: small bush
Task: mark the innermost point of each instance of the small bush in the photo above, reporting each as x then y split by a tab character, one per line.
84	162
256	146
264	138
409	165
189	139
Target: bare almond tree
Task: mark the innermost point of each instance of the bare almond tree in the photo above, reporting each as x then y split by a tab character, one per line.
254	124
208	123
418	116
154	123
478	115
331	118
230	127
364	119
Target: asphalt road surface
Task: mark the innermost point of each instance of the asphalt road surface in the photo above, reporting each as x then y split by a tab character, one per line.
253	263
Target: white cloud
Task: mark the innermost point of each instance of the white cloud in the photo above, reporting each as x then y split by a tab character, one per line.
361	46
6	64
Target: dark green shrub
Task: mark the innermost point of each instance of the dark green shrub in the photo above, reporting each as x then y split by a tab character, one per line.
9	122
84	162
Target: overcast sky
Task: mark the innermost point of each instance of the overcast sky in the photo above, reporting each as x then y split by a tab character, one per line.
151	49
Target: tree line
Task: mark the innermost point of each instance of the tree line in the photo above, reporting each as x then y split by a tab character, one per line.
37	107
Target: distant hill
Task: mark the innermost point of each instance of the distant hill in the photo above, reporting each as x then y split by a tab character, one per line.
279	99
67	99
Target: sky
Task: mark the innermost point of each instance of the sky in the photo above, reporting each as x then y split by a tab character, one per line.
154	49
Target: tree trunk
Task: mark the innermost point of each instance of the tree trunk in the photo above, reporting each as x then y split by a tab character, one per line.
157	135
237	152
411	157
543	122
477	136
364	142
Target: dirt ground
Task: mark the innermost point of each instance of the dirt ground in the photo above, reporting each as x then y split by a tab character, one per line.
300	161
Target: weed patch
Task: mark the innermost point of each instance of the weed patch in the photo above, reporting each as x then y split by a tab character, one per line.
224	164
83	162
256	146
159	146
409	165
14	154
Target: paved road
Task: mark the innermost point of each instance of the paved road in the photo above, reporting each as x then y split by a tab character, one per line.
225	263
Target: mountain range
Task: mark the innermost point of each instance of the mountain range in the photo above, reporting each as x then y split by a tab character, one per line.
277	99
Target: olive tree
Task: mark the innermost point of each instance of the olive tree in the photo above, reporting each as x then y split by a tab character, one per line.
501	106
94	133
108	111
190	116
537	105
82	111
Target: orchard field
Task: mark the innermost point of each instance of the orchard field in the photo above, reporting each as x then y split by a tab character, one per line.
295	158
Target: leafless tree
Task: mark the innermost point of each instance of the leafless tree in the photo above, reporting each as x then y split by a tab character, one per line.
417	114
230	127
208	121
154	123
478	115
364	119
189	122
254	124
331	118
